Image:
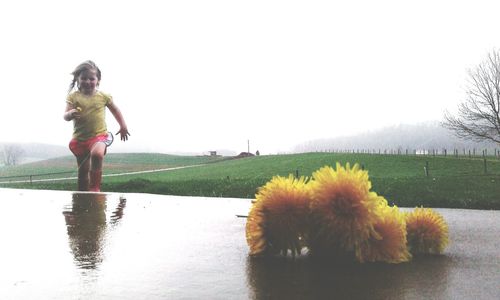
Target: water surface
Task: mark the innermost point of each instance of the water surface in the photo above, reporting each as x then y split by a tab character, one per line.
64	245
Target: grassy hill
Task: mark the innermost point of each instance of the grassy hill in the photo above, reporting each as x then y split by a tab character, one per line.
113	163
451	182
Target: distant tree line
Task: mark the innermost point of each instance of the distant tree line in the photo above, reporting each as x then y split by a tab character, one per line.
429	137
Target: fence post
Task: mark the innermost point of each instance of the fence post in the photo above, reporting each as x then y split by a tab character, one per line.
485	169
426	168
297	173
31	179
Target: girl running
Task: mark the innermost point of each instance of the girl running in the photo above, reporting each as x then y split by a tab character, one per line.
86	106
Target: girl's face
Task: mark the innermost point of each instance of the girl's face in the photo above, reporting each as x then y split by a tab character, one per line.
88	81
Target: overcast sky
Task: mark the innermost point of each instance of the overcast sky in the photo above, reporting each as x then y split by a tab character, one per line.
205	75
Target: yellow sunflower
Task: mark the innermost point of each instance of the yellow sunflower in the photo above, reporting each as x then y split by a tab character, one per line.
389	242
427	231
277	221
343	210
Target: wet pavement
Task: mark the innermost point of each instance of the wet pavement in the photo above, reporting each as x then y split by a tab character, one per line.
61	245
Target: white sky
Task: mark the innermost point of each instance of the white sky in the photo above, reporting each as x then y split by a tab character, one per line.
204	75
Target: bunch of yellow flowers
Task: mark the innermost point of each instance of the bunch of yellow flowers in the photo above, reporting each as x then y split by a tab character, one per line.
336	215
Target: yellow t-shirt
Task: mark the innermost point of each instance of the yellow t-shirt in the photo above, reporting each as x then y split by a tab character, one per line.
93	114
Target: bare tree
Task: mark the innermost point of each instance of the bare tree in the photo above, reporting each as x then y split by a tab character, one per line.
478	115
12	154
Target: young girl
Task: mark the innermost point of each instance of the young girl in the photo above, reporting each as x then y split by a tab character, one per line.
86	106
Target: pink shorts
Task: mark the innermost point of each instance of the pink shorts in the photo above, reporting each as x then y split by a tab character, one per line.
80	148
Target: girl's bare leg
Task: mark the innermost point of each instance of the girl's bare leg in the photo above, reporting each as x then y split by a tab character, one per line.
83	172
96	158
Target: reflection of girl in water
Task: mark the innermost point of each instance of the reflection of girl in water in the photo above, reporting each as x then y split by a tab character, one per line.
86	226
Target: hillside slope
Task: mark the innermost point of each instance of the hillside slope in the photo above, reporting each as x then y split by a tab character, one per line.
419	137
31	152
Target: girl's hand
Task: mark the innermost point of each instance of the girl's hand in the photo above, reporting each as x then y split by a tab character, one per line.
76	113
73	114
124	134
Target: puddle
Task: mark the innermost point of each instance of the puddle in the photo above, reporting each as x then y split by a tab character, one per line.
64	245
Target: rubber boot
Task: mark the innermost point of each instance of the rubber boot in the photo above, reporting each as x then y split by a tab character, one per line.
83	182
95	181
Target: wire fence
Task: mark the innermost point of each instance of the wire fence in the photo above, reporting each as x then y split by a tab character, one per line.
469	153
31	178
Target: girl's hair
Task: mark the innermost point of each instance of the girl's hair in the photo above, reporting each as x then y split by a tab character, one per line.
87	65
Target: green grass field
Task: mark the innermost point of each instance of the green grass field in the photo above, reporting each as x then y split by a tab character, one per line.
451	182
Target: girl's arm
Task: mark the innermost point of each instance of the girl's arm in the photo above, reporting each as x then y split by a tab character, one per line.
121	121
71	113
